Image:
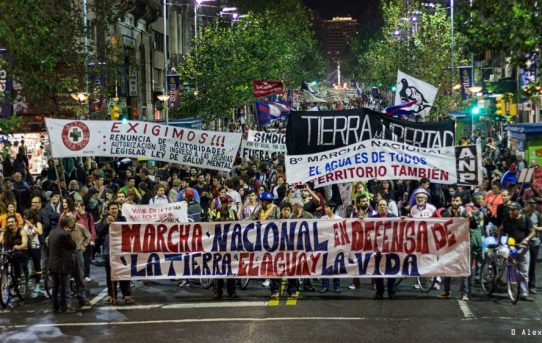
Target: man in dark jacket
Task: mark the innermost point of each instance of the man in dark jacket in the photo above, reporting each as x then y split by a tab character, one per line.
60	264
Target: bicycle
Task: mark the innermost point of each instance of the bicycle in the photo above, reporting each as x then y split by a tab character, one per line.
9	286
492	268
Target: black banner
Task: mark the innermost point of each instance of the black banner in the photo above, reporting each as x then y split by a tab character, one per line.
317	131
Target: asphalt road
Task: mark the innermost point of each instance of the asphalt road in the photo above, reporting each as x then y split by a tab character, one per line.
164	312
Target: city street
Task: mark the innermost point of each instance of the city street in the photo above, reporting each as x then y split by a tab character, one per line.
165	312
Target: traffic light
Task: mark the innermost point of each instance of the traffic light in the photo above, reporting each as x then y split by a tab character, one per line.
500	106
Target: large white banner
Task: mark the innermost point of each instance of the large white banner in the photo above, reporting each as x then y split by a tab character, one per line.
205	149
176	212
263	144
410	89
380	247
373	159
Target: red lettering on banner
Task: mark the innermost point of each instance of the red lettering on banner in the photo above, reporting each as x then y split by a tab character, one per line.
171	246
357	235
452	240
314	261
336	234
369	226
410	237
378	234
267	265
439	236
149	239
197	234
191	135
115	127
302	265
130	233
385	243
422	245
184	235
344	234
202	138
178	133
242	271
160	242
278	266
132	127
156	130
398	237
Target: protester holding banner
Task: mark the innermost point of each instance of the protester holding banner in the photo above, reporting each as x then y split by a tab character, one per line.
329	209
457	210
224	214
114	215
383	212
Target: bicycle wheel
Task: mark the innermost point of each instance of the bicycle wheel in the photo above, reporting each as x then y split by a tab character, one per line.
5	286
21	288
206	283
243	283
426	283
488	277
513	278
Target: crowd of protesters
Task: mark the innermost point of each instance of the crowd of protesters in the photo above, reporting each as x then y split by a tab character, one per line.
83	197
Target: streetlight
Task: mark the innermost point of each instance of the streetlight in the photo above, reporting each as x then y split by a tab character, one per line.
164	99
80	97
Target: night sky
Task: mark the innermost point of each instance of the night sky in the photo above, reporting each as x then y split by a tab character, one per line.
367	12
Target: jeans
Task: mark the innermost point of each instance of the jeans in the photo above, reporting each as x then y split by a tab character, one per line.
336	283
78	276
463	288
523	268
533	250
60	291
44	256
380	286
86	255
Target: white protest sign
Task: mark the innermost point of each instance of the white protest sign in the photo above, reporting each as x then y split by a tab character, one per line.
263	144
373	159
204	149
176	212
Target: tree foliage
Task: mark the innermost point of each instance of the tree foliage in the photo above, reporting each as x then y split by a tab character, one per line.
421	48
508	26
45	42
268	45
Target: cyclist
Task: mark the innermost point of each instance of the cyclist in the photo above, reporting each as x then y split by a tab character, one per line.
422	209
14	238
519	227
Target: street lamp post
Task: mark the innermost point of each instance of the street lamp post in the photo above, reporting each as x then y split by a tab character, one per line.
164	99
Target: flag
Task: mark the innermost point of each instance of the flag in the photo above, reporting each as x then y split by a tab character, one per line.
411	89
264	88
271	111
401	110
306	87
358	88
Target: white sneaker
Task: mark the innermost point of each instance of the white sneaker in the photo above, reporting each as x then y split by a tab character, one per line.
87	280
436	286
416	286
465	297
266	283
352	286
184	283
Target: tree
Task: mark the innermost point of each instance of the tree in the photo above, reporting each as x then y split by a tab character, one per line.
272	45
508	26
45	42
416	41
